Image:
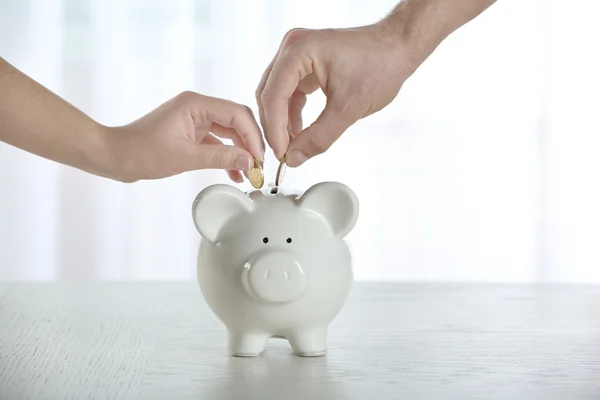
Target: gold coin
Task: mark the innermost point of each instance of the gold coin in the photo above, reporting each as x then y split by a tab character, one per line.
280	172
256	176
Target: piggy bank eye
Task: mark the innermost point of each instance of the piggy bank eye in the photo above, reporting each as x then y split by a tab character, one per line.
265	240
289	240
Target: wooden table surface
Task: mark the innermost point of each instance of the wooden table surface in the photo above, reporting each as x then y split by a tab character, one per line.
391	341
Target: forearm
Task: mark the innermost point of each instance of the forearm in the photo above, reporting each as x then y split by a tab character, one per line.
421	25
36	120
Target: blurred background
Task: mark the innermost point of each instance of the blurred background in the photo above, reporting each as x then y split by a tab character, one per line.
485	168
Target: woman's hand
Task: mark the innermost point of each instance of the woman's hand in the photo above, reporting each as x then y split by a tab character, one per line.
176	137
172	139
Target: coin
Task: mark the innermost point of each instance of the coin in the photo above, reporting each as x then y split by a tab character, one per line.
280	172
256	176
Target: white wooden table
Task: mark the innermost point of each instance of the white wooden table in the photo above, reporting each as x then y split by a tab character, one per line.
392	341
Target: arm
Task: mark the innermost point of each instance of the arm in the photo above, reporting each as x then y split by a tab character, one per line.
423	24
360	71
172	139
36	120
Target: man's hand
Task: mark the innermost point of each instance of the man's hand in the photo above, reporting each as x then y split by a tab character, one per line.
176	137
360	71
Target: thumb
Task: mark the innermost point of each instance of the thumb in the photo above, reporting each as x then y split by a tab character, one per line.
220	156
321	134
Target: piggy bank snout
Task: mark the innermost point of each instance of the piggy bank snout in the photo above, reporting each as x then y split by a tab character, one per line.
275	277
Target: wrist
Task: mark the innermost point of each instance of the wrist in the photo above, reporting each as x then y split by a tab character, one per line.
417	27
114	158
95	154
411	31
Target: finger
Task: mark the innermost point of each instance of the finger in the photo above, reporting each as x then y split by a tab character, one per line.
260	88
245	126
262	142
309	84
263	81
289	130
283	80
321	134
261	109
237	142
219	156
297	102
295	106
234	175
208	110
229	133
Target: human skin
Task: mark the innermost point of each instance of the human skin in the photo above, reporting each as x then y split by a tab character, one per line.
172	139
360	70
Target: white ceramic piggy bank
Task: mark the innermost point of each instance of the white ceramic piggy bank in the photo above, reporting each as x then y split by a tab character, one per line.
275	265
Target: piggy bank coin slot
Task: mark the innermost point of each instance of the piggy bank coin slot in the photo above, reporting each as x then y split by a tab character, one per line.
274	190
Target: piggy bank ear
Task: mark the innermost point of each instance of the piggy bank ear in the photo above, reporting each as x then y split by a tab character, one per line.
335	202
215	206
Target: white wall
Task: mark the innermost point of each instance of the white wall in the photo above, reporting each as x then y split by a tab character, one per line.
485	168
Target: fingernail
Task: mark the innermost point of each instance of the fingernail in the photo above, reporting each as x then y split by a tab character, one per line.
296	158
244	163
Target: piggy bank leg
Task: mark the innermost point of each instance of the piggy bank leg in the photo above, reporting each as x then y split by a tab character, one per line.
309	342
247	344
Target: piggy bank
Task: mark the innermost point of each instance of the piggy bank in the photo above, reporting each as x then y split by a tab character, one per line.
275	264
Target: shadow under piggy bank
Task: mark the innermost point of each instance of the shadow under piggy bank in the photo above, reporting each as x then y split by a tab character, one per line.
275	264
276	377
